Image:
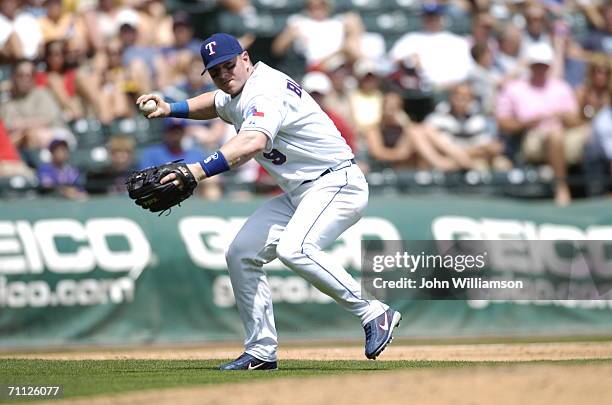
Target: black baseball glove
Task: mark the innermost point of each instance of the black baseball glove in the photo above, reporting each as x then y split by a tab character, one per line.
145	189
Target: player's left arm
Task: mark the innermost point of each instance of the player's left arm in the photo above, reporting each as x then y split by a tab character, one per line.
237	151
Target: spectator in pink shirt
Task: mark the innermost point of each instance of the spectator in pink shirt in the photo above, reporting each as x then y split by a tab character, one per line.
539	109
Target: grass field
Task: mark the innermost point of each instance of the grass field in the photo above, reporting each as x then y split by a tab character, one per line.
95	377
189	377
111	377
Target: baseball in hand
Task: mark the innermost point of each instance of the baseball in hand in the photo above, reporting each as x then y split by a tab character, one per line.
148	107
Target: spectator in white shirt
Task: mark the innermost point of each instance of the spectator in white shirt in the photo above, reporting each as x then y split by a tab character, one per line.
19	30
319	35
443	57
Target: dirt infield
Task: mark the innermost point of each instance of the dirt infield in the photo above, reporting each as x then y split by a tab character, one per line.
477	352
536	383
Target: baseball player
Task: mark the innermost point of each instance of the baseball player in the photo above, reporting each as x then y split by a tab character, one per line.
325	193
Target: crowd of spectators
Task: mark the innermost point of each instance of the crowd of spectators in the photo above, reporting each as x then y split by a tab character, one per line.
522	85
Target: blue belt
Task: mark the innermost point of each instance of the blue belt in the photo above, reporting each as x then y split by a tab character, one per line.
331	169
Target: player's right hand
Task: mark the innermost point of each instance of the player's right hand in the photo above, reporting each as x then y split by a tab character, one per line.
163	108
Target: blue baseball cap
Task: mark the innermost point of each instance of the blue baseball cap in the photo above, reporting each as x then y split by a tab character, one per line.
57	142
219	48
432	9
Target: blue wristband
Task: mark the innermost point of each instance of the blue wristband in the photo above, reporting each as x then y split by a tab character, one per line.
214	164
180	109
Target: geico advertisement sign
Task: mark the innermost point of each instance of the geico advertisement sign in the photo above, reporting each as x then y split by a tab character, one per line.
31	248
532	248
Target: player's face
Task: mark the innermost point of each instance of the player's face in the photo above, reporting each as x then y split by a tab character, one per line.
231	76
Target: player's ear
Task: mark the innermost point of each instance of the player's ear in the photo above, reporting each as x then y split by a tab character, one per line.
245	56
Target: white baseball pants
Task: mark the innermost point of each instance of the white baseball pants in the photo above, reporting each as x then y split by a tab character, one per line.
296	227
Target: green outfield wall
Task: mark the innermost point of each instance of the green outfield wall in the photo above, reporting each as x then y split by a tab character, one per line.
106	272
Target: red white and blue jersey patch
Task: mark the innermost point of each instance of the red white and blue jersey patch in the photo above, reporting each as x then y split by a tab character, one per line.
253	112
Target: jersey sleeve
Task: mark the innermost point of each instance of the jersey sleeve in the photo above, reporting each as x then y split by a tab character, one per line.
221	101
264	114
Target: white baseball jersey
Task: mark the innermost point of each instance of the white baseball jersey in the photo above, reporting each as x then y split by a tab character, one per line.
303	141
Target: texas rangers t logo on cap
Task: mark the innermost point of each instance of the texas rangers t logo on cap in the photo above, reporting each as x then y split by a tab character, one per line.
219	48
209	47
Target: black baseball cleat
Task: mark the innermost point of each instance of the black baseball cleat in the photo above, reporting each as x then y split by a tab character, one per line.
248	362
379	332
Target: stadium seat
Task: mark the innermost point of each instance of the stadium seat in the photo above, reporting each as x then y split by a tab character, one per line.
266	24
89	159
412	5
191	6
459	25
17	186
279	6
368	5
389	23
342	6
525	182
270	25
88	132
143	130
